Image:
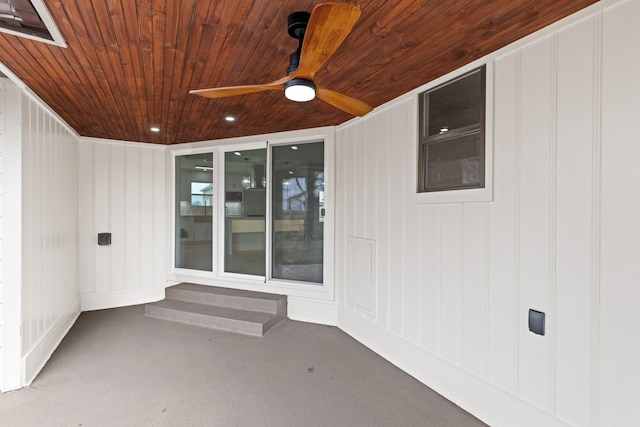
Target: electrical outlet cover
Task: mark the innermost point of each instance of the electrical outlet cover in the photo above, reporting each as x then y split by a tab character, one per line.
104	239
536	322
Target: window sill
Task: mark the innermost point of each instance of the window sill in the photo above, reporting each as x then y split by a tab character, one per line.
454	196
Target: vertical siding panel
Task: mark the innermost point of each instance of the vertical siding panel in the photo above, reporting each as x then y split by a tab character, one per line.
382	182
620	210
341	201
502	289
102	203
160	217
371	142
473	310
29	324
411	230
36	302
86	220
117	216
451	253
52	222
536	86
390	279
360	181
349	189
3	131
44	306
396	262
347	209
146	216
430	293
352	179
29	234
574	222
132	235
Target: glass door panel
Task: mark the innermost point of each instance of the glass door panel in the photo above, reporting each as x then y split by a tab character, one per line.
194	212
244	211
298	212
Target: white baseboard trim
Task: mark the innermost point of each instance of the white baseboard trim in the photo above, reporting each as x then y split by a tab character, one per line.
312	311
37	357
489	403
120	298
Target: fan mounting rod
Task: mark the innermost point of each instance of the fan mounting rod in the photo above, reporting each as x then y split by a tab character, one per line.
297	26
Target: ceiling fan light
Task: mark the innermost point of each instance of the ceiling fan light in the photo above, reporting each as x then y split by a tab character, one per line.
300	90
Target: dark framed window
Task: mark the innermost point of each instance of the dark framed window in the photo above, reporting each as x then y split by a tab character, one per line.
452	134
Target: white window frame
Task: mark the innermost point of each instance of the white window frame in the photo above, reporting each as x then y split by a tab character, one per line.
484	194
214	207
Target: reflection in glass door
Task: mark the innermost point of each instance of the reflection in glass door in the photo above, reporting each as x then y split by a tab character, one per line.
194	211
298	212
244	211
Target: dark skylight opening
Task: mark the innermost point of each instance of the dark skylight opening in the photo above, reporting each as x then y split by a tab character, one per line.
29	18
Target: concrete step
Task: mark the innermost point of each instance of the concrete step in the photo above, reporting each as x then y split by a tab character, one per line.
250	313
230	298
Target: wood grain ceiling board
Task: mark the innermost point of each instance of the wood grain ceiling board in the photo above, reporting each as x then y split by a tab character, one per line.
130	64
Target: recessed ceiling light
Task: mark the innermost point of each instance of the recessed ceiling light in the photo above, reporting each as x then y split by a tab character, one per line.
294	147
154	129
237	153
230	118
290	172
444	129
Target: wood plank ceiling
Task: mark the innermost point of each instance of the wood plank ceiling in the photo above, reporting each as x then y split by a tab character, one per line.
130	64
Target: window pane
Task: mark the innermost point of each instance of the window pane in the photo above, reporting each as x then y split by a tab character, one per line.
298	212
454	163
245	208
456	105
452	134
194	219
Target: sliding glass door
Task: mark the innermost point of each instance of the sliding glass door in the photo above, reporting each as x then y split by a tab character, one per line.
245	211
297	220
194	212
268	204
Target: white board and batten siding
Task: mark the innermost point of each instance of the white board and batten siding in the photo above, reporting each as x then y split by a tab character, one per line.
123	191
10	236
40	233
443	289
3	118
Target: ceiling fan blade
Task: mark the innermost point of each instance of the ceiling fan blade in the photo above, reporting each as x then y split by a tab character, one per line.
330	23
343	102
221	92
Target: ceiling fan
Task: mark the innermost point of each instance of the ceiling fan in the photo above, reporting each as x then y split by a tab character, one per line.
319	35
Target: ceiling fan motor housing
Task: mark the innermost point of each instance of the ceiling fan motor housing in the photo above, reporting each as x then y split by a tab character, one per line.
297	24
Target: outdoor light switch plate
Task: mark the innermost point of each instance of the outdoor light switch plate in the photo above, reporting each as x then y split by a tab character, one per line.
536	322
104	239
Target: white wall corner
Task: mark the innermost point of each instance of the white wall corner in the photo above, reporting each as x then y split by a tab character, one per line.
11	232
35	359
485	401
120	298
312	311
